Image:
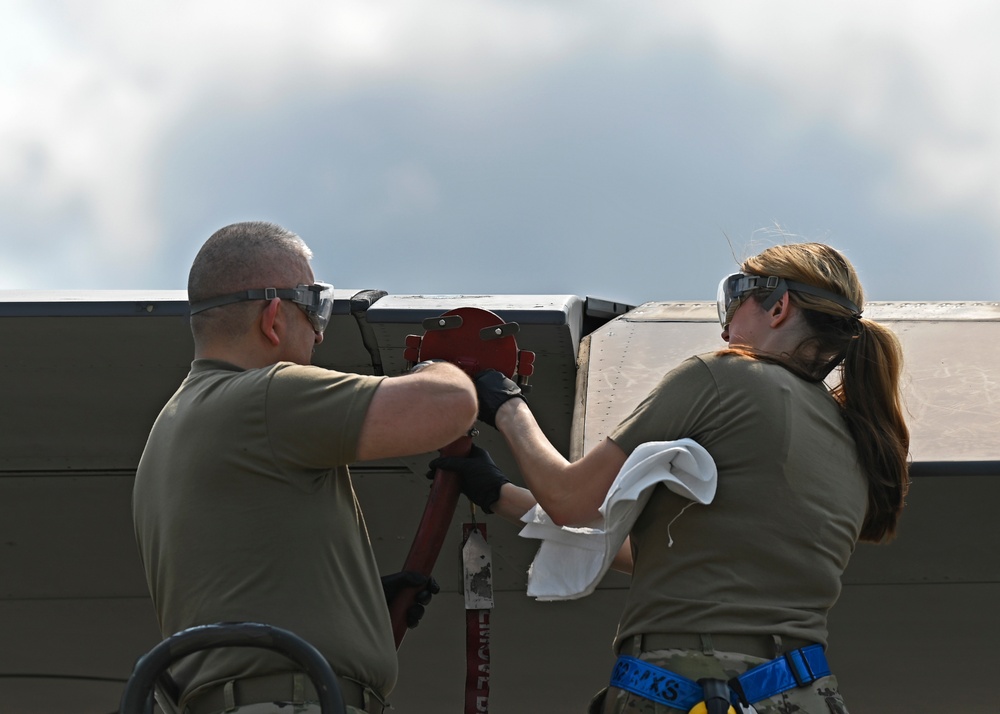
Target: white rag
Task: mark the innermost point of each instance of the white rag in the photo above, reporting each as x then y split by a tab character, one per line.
571	561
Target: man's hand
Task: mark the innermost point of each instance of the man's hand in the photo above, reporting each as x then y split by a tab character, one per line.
493	389
393	585
481	478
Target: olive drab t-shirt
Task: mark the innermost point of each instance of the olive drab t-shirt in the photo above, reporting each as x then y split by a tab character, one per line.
766	556
244	511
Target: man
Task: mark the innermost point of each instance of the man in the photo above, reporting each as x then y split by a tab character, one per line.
243	505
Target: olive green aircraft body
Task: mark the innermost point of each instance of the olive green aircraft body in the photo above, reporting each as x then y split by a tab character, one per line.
85	374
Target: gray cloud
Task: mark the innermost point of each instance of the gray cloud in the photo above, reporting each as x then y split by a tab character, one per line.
598	153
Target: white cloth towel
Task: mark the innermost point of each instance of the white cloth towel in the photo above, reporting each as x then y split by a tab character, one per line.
571	561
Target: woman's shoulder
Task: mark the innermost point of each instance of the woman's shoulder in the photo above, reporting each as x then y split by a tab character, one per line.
727	366
727	361
737	369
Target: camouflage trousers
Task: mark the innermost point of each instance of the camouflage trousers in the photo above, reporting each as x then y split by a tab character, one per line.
285	708
821	697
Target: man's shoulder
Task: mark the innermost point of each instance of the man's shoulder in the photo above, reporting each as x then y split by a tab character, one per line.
293	370
307	377
219	369
208	365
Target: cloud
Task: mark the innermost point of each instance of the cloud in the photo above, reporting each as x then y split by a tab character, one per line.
91	91
917	80
130	130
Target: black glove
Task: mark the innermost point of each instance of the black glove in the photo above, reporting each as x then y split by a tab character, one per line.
481	478
493	389
393	585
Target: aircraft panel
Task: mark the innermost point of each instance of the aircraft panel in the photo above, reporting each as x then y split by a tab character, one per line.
73	654
918	648
82	392
916	616
88	372
550	326
951	386
68	535
941	537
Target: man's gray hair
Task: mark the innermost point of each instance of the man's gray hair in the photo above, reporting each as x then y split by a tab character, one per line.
243	256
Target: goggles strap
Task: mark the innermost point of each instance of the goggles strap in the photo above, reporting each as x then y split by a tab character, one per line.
293	294
782	286
245	296
772	299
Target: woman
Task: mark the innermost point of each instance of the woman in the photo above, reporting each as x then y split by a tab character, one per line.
805	471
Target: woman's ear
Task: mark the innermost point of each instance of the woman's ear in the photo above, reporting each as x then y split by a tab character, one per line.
269	319
781	310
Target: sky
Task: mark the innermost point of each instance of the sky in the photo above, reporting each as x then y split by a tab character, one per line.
630	150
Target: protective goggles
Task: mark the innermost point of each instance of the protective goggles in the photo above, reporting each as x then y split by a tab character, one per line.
735	287
315	300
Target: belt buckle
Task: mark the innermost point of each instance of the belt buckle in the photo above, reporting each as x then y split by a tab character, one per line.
716	699
801	680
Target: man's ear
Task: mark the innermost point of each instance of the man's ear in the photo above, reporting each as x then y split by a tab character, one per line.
781	310
269	319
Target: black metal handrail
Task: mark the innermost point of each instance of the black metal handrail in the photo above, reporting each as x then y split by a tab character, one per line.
138	695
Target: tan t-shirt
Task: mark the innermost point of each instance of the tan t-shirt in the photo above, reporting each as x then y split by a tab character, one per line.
767	555
244	511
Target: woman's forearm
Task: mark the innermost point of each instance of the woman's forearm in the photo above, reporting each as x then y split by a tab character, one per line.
570	493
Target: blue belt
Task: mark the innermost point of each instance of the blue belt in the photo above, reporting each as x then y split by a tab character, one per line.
797	668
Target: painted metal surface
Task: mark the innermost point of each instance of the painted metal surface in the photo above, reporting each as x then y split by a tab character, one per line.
920	612
951	385
84	377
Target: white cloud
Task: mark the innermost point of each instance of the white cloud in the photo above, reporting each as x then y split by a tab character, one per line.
89	90
918	80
